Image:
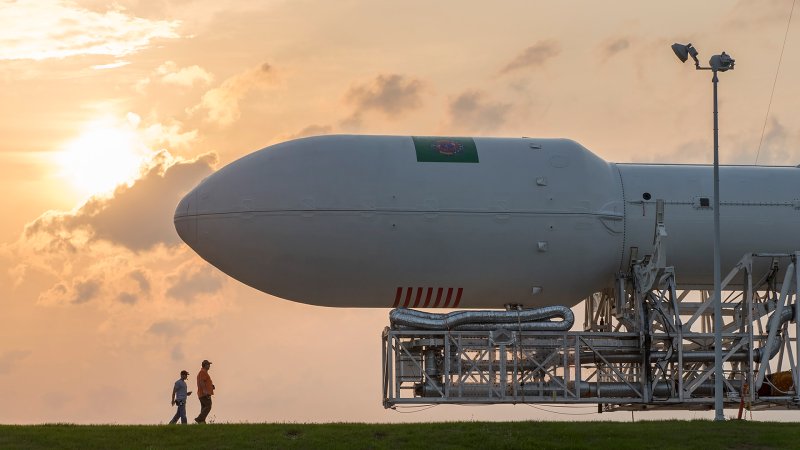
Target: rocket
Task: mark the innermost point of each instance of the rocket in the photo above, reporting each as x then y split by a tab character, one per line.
459	222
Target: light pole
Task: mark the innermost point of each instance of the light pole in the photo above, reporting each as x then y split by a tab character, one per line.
717	63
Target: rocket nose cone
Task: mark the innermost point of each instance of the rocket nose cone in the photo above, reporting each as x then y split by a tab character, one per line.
186	218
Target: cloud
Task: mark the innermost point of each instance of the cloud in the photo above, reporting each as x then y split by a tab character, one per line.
311	130
170	135
127	298
534	56
118	259
391	95
695	151
109	247
18	272
221	104
85	290
98	275
613	46
743	16
776	147
171	330
168	328
137	217
113	65
141	280
47	29
474	112
170	73
142	285
177	353
739	147
9	359
192	280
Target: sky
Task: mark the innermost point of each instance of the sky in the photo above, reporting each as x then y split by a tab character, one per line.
111	111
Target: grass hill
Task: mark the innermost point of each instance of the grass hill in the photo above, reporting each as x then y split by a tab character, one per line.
703	435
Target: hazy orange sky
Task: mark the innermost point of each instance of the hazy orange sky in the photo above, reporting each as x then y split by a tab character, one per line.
112	110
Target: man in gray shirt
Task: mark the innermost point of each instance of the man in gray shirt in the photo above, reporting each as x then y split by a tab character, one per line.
179	395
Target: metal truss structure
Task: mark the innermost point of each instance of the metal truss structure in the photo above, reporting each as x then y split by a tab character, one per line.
646	344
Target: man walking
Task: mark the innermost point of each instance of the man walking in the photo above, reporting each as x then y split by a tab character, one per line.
205	389
179	395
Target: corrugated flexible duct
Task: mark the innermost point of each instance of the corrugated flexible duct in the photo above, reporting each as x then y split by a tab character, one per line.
523	319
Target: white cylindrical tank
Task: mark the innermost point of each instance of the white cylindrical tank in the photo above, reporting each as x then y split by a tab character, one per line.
387	221
759	212
367	221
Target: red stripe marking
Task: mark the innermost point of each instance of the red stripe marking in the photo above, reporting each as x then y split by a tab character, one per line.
397	297
438	298
449	295
408	297
419	296
428	297
458	297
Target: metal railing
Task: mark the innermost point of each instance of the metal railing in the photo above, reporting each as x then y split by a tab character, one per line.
645	343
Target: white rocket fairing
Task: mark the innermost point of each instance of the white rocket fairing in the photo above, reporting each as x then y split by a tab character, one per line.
424	222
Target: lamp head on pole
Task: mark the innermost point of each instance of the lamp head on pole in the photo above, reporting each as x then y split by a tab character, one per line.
683	52
722	62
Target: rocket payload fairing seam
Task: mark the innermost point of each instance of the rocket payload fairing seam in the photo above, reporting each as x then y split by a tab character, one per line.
624	220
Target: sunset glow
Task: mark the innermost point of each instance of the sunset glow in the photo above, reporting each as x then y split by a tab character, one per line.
104	156
104	305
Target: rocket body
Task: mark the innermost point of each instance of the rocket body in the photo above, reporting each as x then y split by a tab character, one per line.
431	222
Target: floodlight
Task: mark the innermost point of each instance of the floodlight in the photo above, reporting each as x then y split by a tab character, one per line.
683	52
721	62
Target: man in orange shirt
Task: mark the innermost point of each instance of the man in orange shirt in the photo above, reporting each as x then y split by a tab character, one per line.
205	389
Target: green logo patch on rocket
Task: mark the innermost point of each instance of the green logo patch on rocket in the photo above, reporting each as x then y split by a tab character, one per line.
445	149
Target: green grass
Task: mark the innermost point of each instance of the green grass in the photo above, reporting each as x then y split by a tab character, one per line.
704	435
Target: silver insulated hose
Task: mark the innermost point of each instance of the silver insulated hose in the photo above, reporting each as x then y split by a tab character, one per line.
538	319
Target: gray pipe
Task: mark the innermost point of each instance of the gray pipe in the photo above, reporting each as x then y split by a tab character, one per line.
534	320
610	389
523	320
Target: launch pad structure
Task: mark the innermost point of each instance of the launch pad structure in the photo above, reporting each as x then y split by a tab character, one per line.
645	344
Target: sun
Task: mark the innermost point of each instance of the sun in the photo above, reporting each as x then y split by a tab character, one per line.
105	155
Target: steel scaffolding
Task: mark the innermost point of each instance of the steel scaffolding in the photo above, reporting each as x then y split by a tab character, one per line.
645	344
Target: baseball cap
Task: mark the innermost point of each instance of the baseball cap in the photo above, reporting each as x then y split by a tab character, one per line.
183	372
205	361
